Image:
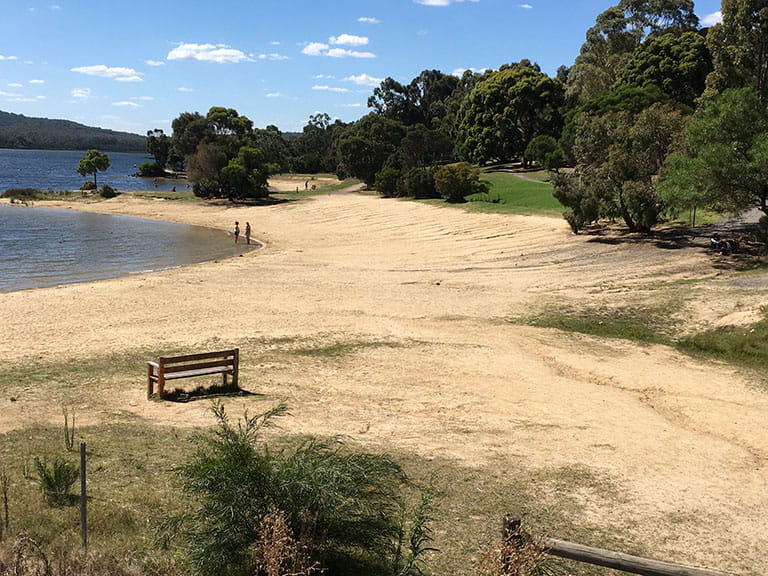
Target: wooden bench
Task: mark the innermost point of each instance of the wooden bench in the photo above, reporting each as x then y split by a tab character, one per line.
224	362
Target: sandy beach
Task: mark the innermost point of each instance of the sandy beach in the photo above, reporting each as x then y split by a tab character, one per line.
425	298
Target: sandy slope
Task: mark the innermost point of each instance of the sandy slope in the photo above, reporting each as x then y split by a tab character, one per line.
449	375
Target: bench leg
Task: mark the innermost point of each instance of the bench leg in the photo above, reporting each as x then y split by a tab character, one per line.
160	386
149	382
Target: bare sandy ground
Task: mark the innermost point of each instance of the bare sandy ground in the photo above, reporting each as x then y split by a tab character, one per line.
424	295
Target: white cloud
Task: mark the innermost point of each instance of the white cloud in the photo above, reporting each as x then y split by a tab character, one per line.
118	73
459	72
712	19
154	62
329	89
143	98
15	85
274	95
37	81
349	40
315	49
218	53
368	20
81	93
344	53
274	43
355	105
9	94
125	103
24	99
7	57
275	57
364	80
184	89
526	6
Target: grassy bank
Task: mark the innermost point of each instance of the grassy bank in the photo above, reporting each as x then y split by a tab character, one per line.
744	346
518	194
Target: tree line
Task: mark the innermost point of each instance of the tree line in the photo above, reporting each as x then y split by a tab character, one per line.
655	116
22	132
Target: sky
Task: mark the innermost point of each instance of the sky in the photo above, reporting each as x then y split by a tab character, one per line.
136	65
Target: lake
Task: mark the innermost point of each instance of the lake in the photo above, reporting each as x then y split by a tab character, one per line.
42	247
56	170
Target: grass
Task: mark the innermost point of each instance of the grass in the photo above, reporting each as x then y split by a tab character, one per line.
645	324
132	488
512	194
744	346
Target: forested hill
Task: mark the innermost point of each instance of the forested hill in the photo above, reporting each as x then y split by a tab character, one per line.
18	131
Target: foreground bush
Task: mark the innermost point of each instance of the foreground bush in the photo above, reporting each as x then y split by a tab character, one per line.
314	507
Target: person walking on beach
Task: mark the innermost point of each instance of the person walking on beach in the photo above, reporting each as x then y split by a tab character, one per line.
237	231
247	232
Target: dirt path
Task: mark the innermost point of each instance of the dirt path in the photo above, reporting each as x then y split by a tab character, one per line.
422	298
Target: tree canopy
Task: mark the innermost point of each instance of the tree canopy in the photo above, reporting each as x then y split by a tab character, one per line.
505	111
726	167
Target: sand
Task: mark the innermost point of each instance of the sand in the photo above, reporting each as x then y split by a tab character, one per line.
425	296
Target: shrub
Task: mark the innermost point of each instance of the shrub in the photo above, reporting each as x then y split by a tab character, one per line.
22	193
150	170
387	182
419	183
307	506
107	191
88	185
455	182
56	480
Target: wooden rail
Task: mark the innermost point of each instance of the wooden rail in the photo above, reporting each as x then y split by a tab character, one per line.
513	532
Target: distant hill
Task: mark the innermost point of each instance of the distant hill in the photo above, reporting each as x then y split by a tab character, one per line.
18	131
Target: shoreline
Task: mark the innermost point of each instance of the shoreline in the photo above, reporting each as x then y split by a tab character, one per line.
140	262
423	299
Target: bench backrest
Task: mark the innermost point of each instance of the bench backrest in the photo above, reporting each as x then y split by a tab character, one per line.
204	360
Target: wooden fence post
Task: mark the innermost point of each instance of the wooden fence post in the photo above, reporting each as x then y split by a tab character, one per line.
83	499
514	533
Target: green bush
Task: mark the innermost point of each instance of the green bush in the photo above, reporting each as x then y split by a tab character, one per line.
455	182
387	182
107	191
88	185
56	480
304	507
22	193
419	183
150	170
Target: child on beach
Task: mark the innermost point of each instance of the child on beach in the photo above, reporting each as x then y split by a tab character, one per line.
247	232
237	231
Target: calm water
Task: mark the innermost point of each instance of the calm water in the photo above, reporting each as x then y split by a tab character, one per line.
41	247
56	170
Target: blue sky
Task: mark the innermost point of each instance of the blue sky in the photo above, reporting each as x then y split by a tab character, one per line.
135	66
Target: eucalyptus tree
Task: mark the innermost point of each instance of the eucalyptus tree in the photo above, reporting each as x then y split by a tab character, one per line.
739	46
617	32
505	111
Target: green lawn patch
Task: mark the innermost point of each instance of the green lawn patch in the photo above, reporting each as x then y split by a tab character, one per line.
512	194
